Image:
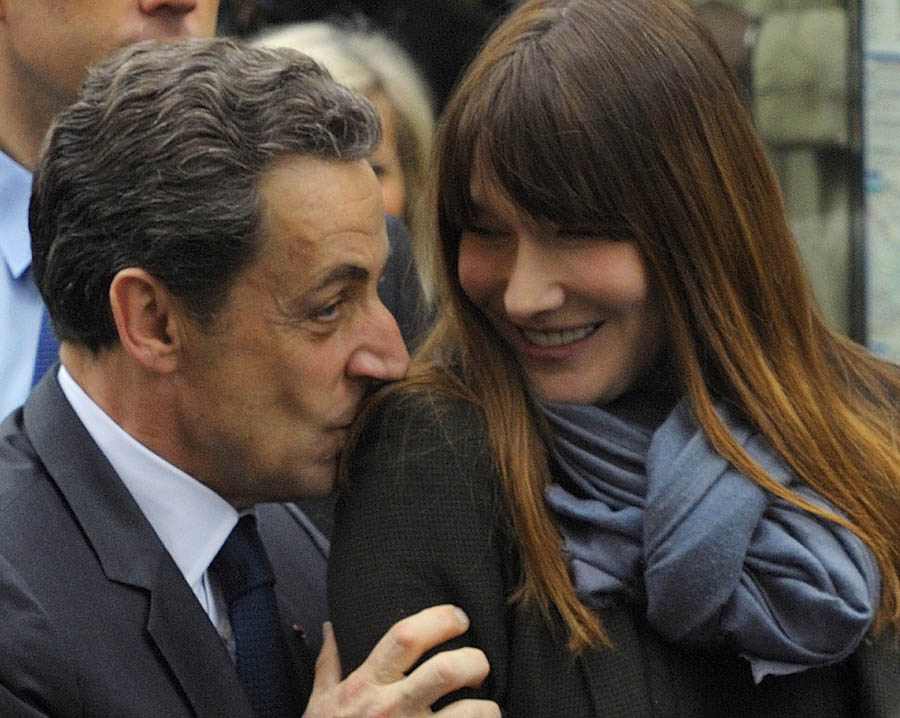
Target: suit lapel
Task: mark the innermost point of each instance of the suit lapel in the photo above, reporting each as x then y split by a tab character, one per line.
302	655
131	554
622	681
193	649
297	553
616	678
877	665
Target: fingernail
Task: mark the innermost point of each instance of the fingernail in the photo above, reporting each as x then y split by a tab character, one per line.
327	630
463	618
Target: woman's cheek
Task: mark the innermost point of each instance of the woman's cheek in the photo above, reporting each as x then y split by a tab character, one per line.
480	270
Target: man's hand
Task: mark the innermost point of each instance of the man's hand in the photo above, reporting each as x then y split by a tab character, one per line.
380	686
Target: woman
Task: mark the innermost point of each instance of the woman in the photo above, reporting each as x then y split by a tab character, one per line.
630	449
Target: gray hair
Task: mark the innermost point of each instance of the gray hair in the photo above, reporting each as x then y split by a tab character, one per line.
369	61
158	166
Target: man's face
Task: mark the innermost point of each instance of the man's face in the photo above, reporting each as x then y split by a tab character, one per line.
50	42
266	394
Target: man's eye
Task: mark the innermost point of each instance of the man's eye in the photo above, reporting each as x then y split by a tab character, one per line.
329	312
378	168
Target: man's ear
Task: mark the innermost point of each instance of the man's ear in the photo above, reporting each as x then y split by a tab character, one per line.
147	318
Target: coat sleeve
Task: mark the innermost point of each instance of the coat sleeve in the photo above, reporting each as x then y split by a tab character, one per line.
37	676
420	524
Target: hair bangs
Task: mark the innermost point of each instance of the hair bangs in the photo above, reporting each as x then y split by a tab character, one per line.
551	170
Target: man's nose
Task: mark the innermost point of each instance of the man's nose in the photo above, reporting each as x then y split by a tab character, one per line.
383	354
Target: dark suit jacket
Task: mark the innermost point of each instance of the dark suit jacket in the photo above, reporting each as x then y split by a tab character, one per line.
95	618
423	522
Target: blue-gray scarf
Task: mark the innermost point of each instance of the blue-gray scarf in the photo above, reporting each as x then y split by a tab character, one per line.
660	517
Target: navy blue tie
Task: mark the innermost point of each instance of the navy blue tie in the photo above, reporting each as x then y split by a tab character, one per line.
263	663
47	351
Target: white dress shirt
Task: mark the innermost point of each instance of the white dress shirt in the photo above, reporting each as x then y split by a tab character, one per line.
191	520
21	306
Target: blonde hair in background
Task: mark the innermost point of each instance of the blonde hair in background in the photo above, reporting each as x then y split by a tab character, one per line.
370	62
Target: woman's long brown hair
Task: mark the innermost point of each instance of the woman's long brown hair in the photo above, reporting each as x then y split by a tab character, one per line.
621	115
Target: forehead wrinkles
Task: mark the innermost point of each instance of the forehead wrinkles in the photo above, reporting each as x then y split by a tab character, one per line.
346	255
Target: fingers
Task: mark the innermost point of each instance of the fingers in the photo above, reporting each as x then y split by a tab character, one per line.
328	663
408	639
470	709
380	685
444	673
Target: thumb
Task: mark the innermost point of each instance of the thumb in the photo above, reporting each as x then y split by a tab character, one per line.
328	664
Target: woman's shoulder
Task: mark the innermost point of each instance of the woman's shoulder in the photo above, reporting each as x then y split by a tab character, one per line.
423	465
418	422
423	444
421	402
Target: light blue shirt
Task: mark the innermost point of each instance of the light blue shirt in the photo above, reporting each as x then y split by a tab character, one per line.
191	520
21	306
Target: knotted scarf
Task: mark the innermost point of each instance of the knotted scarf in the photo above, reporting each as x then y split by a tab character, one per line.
659	517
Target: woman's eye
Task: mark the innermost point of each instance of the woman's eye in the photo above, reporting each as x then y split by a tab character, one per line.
485	231
574	233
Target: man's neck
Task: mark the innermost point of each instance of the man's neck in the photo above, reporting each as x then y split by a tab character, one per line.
26	117
146	406
141	402
116	385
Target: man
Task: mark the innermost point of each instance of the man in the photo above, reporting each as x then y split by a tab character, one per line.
45	46
208	238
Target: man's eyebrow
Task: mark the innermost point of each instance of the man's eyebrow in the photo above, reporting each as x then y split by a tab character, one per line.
342	273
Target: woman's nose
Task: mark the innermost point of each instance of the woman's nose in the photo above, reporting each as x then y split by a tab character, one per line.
532	286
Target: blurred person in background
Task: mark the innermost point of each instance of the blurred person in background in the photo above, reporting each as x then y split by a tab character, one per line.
45	49
441	35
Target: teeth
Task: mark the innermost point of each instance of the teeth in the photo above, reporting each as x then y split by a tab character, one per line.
558	339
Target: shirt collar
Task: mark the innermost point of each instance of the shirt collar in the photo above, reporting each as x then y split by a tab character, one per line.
15	193
191	520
